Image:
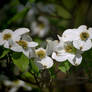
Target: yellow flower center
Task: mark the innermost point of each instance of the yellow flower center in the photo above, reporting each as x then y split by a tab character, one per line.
22	43
41	24
84	36
41	53
70	49
16	82
7	36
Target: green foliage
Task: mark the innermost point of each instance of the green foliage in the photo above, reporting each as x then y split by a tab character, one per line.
63	23
21	61
18	16
87	61
27	75
33	66
38	40
64	66
3	52
32	1
80	13
69	4
62	12
52	71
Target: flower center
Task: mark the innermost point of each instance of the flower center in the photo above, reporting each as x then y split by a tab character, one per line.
16	82
70	49
7	36
22	43
41	53
84	36
41	25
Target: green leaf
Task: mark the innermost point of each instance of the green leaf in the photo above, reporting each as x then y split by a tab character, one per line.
81	14
69	4
32	1
28	75
18	16
21	61
63	23
52	71
33	66
64	66
38	40
3	52
62	12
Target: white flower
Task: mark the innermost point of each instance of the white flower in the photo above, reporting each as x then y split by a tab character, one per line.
7	37
43	60
24	46
40	27
66	51
83	38
15	85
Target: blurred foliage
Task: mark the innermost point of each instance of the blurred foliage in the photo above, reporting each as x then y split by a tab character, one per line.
70	13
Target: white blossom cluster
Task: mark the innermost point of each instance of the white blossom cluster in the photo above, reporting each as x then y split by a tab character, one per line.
70	46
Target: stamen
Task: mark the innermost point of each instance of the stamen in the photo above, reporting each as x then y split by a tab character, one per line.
22	43
7	36
41	24
70	49
41	53
84	36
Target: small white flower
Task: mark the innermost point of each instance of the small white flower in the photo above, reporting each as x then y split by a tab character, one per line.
40	27
43	60
83	38
7	37
24	46
66	51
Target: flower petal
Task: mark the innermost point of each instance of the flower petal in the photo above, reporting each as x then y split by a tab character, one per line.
75	60
20	31
51	46
82	45
15	47
42	32
7	31
60	57
26	37
90	32
82	27
31	52
16	38
6	44
32	44
1	39
47	62
26	53
69	35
